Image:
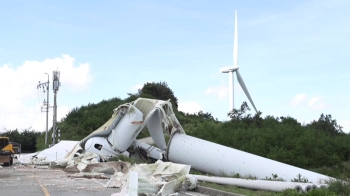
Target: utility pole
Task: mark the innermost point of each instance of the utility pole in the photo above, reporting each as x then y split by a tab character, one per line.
43	85
55	86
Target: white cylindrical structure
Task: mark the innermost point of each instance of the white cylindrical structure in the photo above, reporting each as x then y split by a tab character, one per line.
276	186
152	151
230	90
99	146
125	132
307	187
224	161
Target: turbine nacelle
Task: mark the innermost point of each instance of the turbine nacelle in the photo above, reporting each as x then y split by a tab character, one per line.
228	69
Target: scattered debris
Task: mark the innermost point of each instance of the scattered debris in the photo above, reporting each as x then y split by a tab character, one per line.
104	167
89	175
41	166
160	178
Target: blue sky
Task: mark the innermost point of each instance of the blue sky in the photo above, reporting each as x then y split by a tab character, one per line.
293	55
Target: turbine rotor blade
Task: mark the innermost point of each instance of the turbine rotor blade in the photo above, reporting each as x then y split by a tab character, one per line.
215	74
241	82
235	43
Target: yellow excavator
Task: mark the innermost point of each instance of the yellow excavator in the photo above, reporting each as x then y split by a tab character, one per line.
8	150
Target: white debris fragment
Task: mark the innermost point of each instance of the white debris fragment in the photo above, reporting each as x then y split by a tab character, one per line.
27	159
133	181
190	183
49	155
89	156
81	166
58	151
160	178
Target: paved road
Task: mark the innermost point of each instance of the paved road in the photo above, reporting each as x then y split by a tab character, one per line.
27	180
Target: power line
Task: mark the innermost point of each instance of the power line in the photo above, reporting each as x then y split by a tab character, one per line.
43	86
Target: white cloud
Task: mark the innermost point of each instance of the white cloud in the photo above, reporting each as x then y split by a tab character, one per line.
62	111
137	87
316	103
140	85
19	106
298	99
345	124
220	91
189	107
74	77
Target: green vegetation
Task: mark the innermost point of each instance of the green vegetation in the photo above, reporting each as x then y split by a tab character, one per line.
320	146
133	160
336	188
300	178
237	190
27	138
274	177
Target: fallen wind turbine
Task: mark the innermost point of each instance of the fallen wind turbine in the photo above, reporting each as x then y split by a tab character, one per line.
235	68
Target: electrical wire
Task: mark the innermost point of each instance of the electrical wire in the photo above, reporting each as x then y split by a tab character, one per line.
40	99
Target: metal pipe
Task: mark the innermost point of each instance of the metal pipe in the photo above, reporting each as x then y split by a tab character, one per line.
276	186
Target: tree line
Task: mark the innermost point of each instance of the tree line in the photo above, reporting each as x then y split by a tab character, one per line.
27	138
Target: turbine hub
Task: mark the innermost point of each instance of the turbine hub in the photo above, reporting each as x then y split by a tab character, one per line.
228	69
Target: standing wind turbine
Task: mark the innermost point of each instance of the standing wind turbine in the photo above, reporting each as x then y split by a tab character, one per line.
235	68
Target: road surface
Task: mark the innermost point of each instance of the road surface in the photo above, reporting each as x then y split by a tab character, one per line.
26	180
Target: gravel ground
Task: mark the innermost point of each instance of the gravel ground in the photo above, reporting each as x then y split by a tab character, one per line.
26	180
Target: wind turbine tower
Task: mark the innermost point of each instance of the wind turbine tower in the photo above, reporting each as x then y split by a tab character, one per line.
231	69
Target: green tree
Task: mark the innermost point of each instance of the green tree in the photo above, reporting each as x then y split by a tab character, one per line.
27	138
239	114
327	124
159	90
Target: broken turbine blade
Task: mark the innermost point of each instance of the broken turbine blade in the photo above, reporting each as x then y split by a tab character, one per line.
241	82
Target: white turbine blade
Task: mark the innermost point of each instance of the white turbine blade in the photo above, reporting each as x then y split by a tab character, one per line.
235	43
241	82
215	74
